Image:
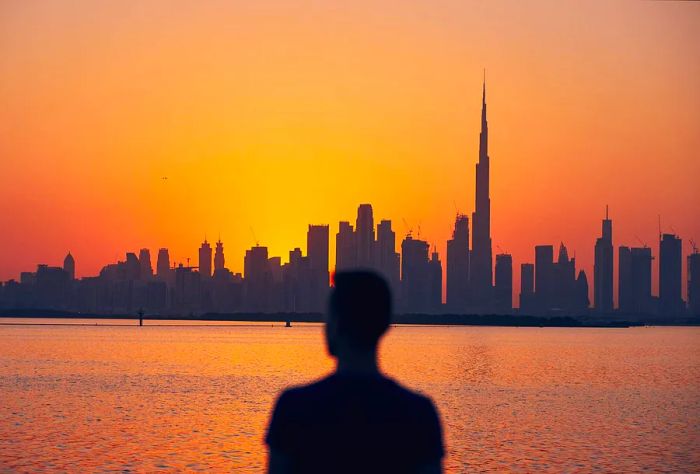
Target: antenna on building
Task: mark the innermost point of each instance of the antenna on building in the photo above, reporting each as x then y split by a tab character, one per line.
693	246
606	212
659	227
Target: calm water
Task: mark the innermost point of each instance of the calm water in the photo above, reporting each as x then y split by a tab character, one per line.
101	398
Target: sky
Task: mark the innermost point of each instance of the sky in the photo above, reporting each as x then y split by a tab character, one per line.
266	116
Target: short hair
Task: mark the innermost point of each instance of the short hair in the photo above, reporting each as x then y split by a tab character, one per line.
360	302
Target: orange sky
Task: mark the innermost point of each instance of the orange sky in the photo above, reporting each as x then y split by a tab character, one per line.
274	114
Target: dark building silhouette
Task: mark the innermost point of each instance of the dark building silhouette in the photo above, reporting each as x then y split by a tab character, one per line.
415	276
69	266
145	262
481	274
205	260
670	262
364	237
694	283
163	265
458	266
388	261
564	282
257	279
187	289
527	288
317	251
582	301
345	251
544	277
358	249
634	280
603	269
434	283
219	260
503	290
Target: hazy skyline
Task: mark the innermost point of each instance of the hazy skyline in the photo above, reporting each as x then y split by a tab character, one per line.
272	115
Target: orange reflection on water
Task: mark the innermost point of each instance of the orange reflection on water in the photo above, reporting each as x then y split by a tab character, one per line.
95	398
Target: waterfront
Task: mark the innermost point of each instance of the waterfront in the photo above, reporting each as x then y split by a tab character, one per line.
99	397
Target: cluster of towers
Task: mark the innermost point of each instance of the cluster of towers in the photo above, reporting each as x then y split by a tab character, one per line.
473	284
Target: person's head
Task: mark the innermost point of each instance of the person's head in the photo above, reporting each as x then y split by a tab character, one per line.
359	312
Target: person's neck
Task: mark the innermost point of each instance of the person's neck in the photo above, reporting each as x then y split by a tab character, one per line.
357	363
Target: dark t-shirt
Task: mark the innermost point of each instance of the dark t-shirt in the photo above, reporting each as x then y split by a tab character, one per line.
355	423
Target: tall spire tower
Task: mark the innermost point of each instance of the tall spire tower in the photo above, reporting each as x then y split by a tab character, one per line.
481	271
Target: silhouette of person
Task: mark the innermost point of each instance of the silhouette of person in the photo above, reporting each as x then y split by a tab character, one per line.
356	419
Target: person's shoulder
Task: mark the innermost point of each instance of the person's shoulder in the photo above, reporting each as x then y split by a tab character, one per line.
300	393
411	395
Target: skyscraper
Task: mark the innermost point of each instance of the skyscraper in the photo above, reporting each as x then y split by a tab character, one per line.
527	287
69	266
415	279
317	251
205	260
219	260
257	279
670	262
503	290
694	283
145	262
481	274
345	254
544	277
163	264
603	269
458	266
388	260
434	283
364	236
634	280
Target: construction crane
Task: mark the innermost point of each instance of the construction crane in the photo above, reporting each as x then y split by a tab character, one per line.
409	229
644	244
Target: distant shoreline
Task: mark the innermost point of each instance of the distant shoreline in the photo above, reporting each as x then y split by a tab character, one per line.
418	319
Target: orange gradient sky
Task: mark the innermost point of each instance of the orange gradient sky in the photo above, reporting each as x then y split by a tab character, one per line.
270	115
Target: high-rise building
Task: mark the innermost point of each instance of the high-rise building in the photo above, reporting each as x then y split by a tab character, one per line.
345	252
219	260
388	260
364	236
145	262
163	264
414	275
527	287
257	279
132	267
564	281
503	289
481	272
670	263
458	266
694	283
634	280
544	277
603	269
434	283
205	260
582	301
317	251
69	266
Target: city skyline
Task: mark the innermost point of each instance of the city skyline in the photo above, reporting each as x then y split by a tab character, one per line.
468	282
245	145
